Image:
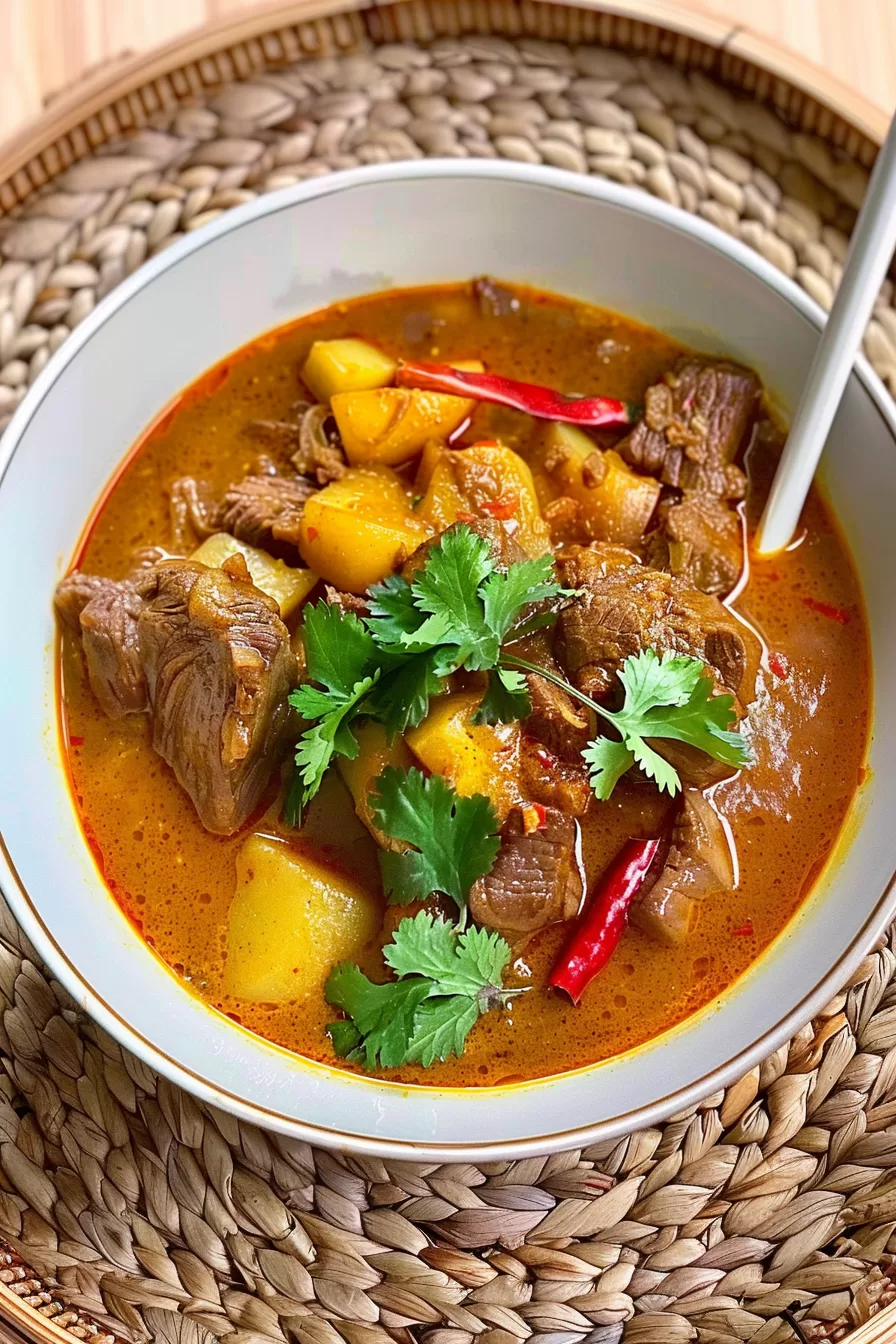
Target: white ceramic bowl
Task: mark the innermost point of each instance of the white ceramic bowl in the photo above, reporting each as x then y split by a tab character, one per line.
253	269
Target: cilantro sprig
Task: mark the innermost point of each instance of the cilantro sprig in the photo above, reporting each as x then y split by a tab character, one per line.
670	697
459	611
456	839
446	981
454	614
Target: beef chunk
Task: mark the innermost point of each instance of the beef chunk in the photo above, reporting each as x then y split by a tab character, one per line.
347	601
218	669
559	782
105	613
194	513
557	720
505	551
320	454
73	594
699	539
265	510
536	879
627	607
694	422
698	866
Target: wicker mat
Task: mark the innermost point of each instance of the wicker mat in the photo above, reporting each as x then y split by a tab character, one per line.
771	1203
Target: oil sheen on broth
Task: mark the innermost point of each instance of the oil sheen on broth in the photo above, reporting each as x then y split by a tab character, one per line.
175	881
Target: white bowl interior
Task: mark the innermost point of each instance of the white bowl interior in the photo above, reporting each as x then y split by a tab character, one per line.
255	269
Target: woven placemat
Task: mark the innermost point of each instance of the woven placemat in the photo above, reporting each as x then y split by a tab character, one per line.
139	1211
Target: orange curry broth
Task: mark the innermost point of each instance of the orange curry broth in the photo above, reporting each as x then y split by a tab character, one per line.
175	881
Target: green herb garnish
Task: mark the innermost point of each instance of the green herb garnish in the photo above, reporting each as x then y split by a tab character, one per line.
459	611
446	981
669	697
456	838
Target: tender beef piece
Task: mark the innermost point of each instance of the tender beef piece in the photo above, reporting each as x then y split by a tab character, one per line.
493	299
698	866
536	879
73	594
627	607
699	539
105	612
320	453
559	782
695	417
556	720
194	514
347	601
266	510
218	668
505	551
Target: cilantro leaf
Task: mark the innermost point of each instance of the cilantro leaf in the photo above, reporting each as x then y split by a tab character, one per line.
382	1014
346	1038
607	762
456	838
671	697
393	615
339	651
703	721
330	735
446	982
441	1028
447	590
656	767
651	680
505	594
463	964
506	699
401	698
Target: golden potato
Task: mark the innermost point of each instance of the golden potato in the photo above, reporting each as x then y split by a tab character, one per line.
393	424
360	528
346	365
615	503
292	919
476	758
375	752
286	585
487	480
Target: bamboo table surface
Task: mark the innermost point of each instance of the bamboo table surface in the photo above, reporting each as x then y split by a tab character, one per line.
48	45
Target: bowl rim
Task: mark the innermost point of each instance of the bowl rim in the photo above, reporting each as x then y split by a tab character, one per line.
27	911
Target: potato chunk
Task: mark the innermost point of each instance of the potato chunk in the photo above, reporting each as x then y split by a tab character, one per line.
392	425
346	365
488	481
615	503
291	920
286	585
475	757
375	752
360	528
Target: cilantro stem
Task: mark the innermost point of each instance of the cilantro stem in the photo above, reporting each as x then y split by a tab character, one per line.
521	665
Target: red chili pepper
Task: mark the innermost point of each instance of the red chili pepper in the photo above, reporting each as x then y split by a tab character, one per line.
838	614
541	402
778	664
600	928
74	741
744	930
502	507
313	534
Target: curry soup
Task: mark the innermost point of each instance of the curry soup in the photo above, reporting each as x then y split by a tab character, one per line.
805	713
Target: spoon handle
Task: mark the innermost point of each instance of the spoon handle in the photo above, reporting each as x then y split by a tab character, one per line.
870	251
